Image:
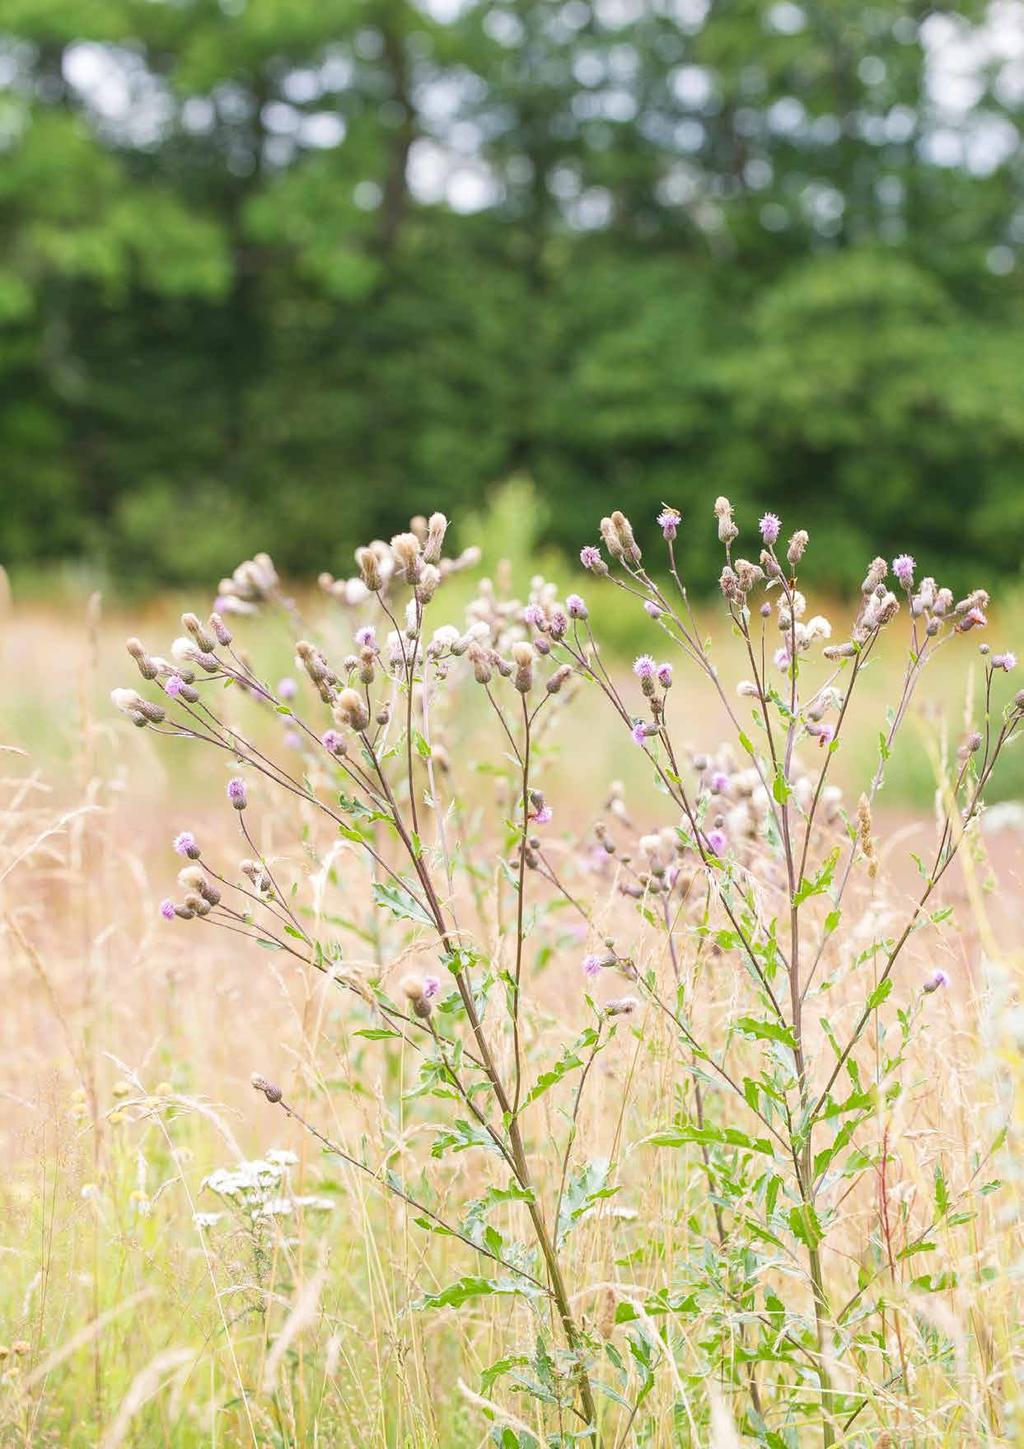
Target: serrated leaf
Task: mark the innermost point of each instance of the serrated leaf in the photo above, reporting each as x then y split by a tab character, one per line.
468	1287
400	903
766	1030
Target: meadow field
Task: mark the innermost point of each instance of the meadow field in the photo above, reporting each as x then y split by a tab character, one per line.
346	1259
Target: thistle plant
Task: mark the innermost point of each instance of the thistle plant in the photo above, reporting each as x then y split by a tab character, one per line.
716	943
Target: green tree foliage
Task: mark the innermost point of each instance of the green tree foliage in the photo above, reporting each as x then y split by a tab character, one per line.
279	272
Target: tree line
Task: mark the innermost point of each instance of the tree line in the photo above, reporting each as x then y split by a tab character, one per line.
280	273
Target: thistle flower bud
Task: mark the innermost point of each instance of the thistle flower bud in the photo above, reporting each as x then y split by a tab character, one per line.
748	574
624	530
482	671
874	576
415	990
437	527
610	538
219	629
367	665
369	569
237	793
147	668
270	1091
406	550
937	979
427	587
185	648
729	583
522	655
195	903
140	711
254	872
177	688
204	640
312	661
559	677
333	743
350	710
727	529
797	547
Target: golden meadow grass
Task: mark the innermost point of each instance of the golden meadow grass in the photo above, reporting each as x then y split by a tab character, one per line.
142	1307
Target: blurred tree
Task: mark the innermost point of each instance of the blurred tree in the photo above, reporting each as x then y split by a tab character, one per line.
281	272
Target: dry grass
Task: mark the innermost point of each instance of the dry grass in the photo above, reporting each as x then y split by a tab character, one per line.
127	1048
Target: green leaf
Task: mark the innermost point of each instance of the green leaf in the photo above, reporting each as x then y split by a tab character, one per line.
709	1136
766	1030
400	903
583	1189
569	1061
467	1288
804	1224
781	787
821	882
880	994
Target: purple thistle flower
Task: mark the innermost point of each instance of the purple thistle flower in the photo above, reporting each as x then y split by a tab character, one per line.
669	520
975	618
591	966
431	987
331	741
174	685
366	637
293	740
935	980
287	688
185	844
651	609
903	567
543	816
590	557
576	607
771	527
639	733
1004	661
664	672
237	793
167	910
644	667
533	615
717	842
719	782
